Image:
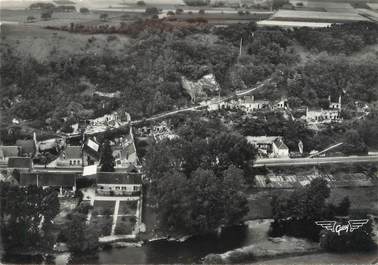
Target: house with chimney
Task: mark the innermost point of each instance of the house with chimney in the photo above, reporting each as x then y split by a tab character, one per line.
78	156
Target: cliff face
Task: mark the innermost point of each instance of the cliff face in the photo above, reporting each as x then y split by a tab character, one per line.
200	89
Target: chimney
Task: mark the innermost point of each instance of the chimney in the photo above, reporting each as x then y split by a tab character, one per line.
329	99
340	100
35	142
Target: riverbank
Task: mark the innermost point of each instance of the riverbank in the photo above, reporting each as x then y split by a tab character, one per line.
264	247
271	248
241	244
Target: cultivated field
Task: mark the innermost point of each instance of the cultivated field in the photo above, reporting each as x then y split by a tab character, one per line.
44	44
311	16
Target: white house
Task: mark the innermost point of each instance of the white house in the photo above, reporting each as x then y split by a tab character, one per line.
247	104
332	114
322	115
119	184
269	146
334	105
281	104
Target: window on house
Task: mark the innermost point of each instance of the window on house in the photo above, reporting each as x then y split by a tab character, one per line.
124	188
78	162
117	188
70	163
74	162
136	188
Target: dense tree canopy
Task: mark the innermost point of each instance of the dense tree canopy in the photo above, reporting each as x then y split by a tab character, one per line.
193	176
26	217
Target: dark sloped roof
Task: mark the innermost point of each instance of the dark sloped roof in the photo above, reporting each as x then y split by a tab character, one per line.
52	179
27	146
9	151
118	178
20	162
73	152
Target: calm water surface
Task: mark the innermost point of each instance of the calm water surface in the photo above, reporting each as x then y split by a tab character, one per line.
196	248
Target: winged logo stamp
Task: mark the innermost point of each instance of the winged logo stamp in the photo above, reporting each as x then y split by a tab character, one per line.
337	228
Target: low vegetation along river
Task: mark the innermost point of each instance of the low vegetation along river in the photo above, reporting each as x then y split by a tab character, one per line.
195	249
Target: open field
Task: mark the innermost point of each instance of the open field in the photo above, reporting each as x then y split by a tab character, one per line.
44	44
312	16
22	4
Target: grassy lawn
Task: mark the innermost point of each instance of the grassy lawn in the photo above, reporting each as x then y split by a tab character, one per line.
105	224
125	225
127	207
103	207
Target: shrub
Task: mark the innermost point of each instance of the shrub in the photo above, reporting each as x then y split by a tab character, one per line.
197	2
104	16
179	11
152	11
46	14
30	19
84	10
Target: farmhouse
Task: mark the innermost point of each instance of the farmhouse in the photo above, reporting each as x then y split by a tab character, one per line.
269	146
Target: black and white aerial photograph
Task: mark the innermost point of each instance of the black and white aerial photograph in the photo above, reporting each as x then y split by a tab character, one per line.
188	132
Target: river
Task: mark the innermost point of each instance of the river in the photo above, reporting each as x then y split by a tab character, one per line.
195	249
